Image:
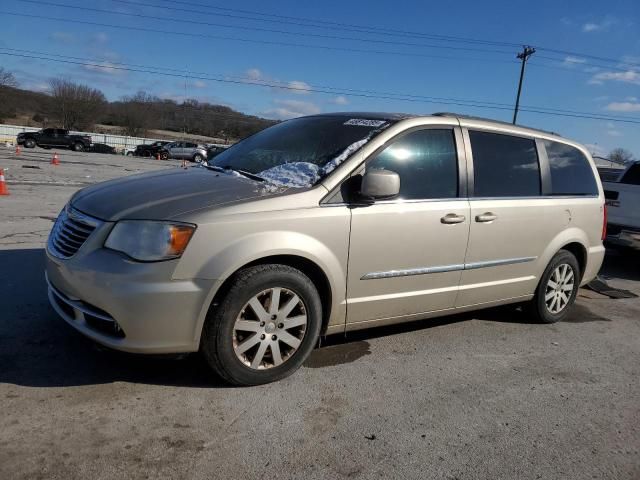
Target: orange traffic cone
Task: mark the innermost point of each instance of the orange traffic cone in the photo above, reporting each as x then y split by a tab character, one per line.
3	185
55	160
17	149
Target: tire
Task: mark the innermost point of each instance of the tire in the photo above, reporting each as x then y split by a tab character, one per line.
197	158
164	156
78	147
29	143
543	309
222	342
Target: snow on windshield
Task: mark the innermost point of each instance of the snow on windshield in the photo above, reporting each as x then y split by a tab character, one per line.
306	174
295	174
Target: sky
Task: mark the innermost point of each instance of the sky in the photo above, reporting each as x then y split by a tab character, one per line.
347	55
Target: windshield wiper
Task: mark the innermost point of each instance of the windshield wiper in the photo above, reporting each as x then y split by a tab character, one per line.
227	169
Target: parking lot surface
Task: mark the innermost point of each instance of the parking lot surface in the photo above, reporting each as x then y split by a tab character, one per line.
474	396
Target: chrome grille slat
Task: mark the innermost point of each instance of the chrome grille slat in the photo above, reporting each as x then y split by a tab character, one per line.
70	232
78	226
68	238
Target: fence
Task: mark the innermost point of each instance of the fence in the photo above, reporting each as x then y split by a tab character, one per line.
8	134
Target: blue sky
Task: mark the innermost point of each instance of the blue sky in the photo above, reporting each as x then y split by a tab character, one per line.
553	80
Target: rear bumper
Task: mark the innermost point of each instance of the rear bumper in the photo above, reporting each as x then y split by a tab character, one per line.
595	257
623	235
126	305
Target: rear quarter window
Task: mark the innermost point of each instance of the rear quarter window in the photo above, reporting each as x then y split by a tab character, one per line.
571	173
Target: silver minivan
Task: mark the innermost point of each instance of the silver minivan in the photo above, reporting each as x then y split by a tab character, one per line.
326	224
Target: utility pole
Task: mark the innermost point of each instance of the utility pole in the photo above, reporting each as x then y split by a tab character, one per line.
524	55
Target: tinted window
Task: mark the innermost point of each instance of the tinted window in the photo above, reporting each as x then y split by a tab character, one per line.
48	131
571	173
190	145
426	161
632	176
504	166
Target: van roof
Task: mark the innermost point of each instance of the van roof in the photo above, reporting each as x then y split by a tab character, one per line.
461	117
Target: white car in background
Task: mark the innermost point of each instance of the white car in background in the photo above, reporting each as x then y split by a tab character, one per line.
622	196
129	151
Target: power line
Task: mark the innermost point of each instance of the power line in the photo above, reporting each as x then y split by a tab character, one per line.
106	64
268	30
378	30
539	110
247	40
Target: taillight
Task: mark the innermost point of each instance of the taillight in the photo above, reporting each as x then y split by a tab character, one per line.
604	222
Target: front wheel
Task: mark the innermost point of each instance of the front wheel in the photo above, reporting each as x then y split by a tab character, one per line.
197	158
164	155
557	289
29	143
78	147
265	326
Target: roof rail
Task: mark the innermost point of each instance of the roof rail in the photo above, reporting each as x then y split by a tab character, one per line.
484	119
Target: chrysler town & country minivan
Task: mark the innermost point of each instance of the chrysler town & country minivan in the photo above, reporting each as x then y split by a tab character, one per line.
327	224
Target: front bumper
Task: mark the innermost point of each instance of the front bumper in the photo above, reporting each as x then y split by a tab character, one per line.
126	305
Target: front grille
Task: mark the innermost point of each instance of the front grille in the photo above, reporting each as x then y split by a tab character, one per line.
69	233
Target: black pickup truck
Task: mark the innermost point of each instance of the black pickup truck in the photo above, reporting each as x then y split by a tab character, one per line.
54	137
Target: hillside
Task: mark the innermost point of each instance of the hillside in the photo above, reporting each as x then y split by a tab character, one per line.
140	115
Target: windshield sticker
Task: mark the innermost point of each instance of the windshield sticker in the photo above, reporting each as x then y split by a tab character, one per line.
363	122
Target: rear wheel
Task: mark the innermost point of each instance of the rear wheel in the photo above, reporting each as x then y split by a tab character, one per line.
78	147
265	326
29	143
164	155
557	289
198	158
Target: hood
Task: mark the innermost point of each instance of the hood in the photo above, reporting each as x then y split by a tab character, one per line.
164	194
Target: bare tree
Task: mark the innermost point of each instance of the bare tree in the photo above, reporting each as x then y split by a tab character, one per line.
7	79
76	106
136	113
620	155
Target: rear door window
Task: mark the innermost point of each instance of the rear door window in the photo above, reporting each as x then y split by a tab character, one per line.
504	165
571	173
426	161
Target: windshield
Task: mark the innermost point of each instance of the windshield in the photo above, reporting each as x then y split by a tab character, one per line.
300	152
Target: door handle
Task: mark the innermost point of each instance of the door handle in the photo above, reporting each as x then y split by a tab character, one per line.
486	217
451	218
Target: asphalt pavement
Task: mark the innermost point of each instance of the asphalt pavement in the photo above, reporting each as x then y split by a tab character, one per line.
485	395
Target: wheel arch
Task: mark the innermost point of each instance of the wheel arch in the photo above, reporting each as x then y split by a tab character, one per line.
573	240
310	268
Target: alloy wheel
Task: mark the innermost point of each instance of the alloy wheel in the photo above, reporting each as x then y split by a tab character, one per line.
559	288
270	328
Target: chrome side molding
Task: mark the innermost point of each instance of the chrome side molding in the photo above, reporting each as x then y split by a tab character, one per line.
445	268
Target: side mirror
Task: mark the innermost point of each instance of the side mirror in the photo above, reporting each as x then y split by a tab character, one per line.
380	184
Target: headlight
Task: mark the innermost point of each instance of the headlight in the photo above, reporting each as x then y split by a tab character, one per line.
149	241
